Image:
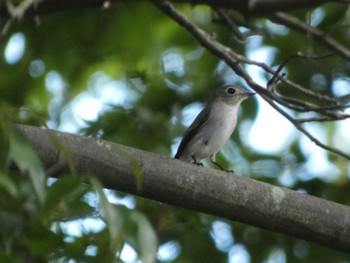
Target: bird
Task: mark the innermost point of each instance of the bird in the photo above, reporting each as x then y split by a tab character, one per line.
213	126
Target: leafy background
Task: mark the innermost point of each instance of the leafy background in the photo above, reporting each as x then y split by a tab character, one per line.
131	75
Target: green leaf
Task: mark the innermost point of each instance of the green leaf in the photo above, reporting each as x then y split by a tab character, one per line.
111	215
137	173
8	184
146	237
65	198
26	159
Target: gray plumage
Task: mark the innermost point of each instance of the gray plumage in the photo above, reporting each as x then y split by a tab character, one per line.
213	126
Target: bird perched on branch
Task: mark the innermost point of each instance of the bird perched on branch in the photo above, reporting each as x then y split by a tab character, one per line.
213	126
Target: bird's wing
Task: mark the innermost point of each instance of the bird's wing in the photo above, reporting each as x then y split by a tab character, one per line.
193	130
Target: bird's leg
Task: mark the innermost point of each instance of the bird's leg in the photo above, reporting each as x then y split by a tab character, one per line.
222	168
213	161
195	161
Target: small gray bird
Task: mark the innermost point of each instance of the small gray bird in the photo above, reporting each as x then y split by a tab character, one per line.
213	126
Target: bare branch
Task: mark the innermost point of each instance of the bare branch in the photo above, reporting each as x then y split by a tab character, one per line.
246	7
206	190
263	7
17	13
324	119
299	126
293	22
230	22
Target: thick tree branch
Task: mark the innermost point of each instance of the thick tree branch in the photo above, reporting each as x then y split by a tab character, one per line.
206	190
263	7
247	7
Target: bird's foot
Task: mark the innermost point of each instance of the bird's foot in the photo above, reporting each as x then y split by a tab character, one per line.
196	162
222	168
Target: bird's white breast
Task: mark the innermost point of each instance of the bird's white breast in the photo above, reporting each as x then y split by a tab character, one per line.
224	124
216	131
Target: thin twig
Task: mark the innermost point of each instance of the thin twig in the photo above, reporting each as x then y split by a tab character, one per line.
231	23
276	77
325	119
17	13
292	22
298	125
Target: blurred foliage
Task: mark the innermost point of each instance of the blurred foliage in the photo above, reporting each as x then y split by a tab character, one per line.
154	69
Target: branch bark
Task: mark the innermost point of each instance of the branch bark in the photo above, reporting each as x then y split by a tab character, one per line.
247	7
262	7
206	190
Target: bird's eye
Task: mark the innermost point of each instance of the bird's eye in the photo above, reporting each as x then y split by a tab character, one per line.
231	91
